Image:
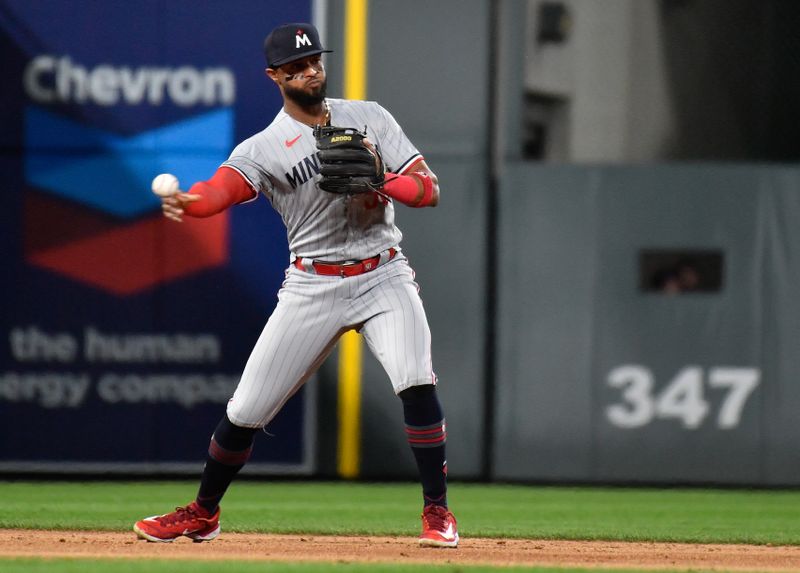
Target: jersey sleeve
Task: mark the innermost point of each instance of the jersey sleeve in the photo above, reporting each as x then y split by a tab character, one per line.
246	159
396	149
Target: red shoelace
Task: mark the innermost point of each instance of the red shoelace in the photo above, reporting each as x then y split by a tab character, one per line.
435	517
180	515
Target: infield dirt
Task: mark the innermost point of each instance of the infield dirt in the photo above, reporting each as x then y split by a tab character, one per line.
229	546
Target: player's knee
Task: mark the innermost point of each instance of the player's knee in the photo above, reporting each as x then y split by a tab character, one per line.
421	405
231	444
234	437
415	394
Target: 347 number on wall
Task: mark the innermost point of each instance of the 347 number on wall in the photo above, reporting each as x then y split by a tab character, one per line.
682	399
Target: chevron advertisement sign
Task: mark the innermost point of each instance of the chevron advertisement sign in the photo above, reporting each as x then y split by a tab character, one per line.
114	320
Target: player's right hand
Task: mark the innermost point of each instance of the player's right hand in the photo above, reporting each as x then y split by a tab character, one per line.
173	205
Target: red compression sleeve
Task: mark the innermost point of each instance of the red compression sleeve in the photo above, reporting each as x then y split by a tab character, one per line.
226	188
414	189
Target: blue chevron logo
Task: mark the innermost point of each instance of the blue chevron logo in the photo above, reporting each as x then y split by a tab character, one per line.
112	173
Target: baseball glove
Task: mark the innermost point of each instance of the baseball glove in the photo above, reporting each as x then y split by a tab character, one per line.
347	166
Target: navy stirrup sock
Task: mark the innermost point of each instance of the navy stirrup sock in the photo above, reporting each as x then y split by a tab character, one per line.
426	433
228	452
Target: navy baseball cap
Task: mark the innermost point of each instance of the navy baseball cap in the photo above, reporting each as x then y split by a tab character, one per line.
290	42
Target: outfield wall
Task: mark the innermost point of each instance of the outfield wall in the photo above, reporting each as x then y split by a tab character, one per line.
601	380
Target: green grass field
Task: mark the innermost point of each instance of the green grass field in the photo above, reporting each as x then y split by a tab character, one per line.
642	514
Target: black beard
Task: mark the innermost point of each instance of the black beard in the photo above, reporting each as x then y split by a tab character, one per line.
305	99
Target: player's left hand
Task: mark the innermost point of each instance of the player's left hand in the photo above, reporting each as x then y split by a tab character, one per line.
349	163
173	205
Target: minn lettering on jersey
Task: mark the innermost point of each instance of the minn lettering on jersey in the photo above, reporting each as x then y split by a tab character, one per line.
303	170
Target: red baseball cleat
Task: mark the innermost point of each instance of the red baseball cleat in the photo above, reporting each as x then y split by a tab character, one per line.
192	521
438	527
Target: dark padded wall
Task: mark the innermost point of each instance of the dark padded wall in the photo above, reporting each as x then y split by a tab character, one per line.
601	381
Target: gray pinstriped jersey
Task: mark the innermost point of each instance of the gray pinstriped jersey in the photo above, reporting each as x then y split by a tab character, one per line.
281	163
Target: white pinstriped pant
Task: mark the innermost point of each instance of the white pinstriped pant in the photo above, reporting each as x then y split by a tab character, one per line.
313	311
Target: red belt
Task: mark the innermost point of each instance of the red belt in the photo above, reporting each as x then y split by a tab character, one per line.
346	268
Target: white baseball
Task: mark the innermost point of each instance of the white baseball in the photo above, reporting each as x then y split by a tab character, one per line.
165	185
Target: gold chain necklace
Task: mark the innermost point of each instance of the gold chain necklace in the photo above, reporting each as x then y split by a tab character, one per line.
327	118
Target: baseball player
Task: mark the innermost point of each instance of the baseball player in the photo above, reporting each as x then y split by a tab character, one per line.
335	190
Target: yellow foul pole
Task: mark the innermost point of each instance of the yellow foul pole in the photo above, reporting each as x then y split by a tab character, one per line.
350	345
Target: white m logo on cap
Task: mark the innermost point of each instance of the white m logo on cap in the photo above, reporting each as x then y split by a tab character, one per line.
301	40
